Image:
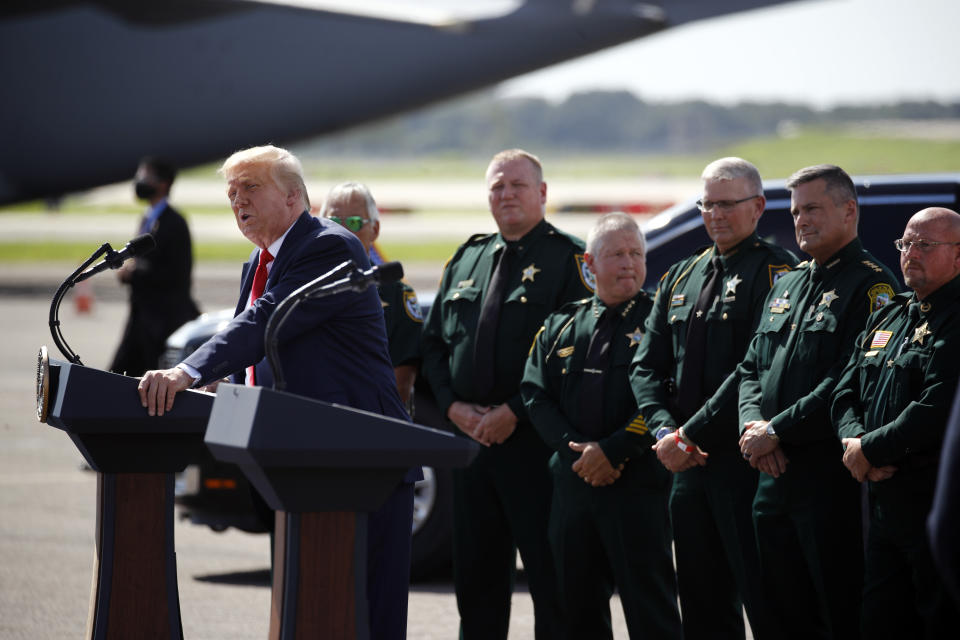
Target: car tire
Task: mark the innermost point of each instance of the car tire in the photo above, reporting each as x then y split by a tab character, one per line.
432	547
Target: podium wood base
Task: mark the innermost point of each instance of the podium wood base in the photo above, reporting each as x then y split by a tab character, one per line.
134	592
320	576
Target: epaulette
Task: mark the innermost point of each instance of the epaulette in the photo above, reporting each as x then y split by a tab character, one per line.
700	250
479	236
569	237
573	306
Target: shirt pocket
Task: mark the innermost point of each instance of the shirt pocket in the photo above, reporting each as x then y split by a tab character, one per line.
524	310
461	312
819	336
677	320
773	330
911	365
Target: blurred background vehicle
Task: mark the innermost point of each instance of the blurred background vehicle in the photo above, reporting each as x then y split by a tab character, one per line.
217	495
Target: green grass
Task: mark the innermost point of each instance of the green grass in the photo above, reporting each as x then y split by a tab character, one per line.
77	252
780	157
775	157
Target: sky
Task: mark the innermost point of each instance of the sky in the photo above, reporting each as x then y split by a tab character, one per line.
815	52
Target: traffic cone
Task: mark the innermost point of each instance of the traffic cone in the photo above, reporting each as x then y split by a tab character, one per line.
83	297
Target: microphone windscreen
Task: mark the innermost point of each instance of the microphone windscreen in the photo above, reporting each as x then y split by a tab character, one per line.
141	245
390	272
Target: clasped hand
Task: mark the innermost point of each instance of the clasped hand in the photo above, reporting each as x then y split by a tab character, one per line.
593	466
485	424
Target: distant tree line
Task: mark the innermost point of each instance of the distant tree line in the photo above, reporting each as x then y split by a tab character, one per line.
596	121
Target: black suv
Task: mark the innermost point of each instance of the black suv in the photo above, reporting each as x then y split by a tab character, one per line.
217	495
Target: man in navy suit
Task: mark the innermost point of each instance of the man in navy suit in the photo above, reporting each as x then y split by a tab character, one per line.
332	349
160	280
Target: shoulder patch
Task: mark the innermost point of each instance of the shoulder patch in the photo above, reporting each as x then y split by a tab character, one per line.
586	276
879	295
411	306
776	271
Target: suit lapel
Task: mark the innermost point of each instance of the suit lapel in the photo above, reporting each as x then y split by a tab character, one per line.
300	228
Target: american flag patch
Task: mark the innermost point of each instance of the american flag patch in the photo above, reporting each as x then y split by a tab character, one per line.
880	339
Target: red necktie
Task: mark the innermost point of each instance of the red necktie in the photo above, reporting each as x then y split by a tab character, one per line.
259	283
260	277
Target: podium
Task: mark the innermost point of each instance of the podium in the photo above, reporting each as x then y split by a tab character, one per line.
321	466
134	592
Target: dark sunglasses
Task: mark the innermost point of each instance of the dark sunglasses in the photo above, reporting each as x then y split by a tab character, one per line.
354	223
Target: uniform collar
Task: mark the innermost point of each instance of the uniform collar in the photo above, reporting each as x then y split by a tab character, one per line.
732	257
849	253
542	228
940	298
598	306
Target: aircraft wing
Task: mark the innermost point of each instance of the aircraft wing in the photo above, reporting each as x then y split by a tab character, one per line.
90	87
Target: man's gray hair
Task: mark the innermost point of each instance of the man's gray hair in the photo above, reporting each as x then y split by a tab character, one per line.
613	223
732	168
839	184
347	190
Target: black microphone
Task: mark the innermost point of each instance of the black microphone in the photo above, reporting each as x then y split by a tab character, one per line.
137	247
357	281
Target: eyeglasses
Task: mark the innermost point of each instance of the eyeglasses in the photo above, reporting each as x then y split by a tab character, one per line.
723	205
354	223
923	246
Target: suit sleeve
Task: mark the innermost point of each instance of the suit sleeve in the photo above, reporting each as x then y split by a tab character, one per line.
241	343
168	266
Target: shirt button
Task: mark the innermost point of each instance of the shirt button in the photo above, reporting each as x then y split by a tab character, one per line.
724	316
673	318
523	299
456	295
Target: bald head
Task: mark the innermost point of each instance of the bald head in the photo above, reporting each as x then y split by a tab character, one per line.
927	269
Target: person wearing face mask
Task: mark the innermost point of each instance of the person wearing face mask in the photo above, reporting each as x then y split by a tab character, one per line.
159	280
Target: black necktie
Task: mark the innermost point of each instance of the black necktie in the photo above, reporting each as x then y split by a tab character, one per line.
690	392
485	339
595	368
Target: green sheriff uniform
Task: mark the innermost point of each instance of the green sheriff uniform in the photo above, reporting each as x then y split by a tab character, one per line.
718	568
615	536
895	395
403	320
502	500
807	521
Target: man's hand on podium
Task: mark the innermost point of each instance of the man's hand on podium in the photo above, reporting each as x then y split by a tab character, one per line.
158	388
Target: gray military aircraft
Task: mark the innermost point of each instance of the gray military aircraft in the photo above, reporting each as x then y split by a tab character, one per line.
89	87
